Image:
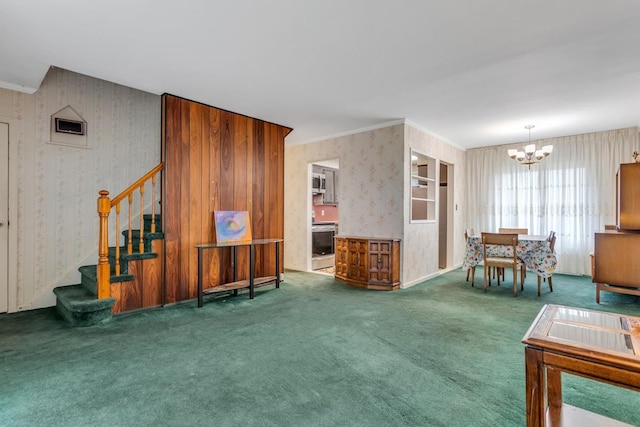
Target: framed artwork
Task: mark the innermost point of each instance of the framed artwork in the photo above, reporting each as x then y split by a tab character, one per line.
232	226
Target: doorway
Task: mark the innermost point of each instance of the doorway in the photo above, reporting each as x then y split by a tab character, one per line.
325	195
445	216
4	217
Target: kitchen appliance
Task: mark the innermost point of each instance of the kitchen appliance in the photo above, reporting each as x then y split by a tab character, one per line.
318	183
323	245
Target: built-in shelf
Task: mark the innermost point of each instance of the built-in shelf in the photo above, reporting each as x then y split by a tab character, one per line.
423	187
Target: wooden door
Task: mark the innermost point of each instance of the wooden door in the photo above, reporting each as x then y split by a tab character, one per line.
341	256
357	259
380	261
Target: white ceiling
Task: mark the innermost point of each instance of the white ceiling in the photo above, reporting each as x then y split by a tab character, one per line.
473	72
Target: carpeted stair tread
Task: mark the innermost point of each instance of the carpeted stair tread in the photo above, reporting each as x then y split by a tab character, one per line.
135	254
135	234
89	276
135	238
80	307
147	222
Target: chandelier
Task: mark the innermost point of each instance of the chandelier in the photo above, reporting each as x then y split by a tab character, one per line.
530	155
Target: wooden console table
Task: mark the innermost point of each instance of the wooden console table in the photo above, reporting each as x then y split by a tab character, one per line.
252	282
593	344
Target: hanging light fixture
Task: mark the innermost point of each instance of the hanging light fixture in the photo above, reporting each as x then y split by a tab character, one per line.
530	155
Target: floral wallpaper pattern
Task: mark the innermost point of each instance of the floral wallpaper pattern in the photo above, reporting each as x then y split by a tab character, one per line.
56	187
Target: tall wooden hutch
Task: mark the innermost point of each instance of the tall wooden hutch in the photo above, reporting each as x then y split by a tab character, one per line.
616	262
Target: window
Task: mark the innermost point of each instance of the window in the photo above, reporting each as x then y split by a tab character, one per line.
423	188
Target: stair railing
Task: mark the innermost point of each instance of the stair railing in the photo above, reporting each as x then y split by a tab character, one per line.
105	206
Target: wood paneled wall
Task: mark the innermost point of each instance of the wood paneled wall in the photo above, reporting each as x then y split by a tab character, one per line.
217	160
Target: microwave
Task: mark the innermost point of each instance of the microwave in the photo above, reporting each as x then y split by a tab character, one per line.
318	183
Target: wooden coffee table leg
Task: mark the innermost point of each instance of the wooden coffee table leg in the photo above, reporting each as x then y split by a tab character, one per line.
554	388
535	387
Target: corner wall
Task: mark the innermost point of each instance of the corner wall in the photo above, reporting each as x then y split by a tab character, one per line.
375	201
420	240
370	188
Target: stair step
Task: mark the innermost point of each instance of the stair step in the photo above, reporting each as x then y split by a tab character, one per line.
89	277
147	222
76	303
135	239
80	307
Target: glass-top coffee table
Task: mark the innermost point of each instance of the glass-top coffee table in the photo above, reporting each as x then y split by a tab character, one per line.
592	344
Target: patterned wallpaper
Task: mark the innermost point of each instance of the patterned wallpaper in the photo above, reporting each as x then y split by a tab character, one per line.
374	195
55	223
420	239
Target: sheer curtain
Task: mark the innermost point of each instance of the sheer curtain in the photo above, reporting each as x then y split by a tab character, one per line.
572	192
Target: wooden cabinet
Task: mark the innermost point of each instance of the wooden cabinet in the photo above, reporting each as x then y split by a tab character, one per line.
614	266
368	263
615	263
330	175
342	267
628	196
331	187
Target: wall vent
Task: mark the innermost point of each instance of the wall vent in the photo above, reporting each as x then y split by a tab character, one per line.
69	126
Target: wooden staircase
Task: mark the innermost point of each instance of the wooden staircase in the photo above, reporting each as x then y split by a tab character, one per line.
128	277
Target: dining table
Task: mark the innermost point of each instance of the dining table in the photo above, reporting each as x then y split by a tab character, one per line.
533	250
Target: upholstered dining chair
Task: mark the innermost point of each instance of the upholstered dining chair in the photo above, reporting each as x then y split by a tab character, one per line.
552	246
510	260
470	232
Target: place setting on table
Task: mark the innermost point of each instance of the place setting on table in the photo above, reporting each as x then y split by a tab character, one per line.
536	252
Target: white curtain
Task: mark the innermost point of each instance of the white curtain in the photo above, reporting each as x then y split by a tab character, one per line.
572	192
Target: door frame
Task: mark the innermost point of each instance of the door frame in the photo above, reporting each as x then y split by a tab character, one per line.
448	212
12	222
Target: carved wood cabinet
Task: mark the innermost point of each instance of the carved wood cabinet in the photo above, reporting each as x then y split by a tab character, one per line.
367	262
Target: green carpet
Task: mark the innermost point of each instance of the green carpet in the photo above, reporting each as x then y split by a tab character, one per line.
312	353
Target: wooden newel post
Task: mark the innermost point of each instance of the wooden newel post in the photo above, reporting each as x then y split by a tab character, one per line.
104	207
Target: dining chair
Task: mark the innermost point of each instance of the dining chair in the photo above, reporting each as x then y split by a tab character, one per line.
504	230
513	230
470	232
508	243
552	246
551	236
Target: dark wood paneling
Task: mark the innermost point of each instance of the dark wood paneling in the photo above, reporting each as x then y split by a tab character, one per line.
145	290
260	191
193	200
131	292
153	272
217	160
172	124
